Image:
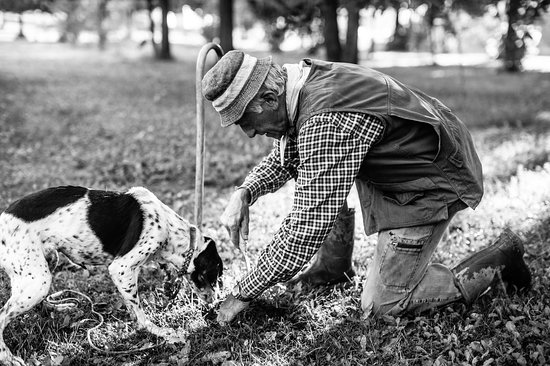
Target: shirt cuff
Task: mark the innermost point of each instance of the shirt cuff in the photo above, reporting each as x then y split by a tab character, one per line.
237	294
253	189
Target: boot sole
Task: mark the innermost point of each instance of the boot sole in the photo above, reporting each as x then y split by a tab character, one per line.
518	276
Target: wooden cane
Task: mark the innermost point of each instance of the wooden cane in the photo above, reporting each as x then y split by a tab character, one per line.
200	149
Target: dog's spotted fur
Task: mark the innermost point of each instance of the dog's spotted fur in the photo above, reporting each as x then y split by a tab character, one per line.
97	227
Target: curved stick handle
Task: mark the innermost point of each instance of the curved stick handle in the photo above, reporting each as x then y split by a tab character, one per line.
199	170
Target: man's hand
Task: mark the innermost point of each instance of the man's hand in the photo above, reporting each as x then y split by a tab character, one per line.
229	309
235	218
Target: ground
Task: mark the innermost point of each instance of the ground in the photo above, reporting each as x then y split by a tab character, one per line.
118	119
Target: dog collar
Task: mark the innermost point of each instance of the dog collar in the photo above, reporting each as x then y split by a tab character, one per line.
173	286
187	260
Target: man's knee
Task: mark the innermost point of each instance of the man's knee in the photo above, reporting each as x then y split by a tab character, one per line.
378	300
373	307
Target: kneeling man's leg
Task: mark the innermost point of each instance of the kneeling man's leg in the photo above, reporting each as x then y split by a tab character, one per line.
401	279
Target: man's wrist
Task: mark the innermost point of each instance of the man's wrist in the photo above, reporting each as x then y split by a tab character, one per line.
245	194
237	294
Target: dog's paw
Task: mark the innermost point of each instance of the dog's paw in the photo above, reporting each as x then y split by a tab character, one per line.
170	335
176	338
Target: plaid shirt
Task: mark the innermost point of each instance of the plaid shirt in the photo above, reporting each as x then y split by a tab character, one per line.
324	160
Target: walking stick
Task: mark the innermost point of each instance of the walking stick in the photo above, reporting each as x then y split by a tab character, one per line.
199	170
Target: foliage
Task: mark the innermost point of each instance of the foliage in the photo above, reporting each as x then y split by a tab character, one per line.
283	15
114	120
20	6
306	16
520	14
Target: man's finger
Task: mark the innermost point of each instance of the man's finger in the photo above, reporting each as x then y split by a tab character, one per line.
234	233
244	228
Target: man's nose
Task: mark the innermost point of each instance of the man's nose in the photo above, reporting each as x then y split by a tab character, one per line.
250	132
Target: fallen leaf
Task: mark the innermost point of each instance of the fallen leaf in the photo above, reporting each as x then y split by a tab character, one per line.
216	357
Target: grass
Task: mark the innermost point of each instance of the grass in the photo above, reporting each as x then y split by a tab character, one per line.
119	119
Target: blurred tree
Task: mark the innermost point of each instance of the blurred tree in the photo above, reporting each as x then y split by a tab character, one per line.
164	53
283	15
102	14
74	19
21	6
166	6
400	37
353	8
520	14
279	16
441	9
329	10
349	51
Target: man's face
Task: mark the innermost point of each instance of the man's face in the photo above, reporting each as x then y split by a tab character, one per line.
270	122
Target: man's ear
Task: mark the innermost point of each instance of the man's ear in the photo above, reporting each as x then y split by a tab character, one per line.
271	99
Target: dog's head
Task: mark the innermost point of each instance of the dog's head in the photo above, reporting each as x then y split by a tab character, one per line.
206	270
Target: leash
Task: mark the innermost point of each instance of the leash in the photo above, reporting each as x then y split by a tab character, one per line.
71	302
173	287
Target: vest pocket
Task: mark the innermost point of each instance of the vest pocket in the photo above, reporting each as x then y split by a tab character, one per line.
402	199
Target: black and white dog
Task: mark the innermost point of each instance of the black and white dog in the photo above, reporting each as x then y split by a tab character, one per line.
98	227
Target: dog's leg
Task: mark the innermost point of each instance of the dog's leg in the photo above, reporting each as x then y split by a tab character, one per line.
124	273
30	280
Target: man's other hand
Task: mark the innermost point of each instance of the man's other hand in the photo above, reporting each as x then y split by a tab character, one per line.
229	309
235	218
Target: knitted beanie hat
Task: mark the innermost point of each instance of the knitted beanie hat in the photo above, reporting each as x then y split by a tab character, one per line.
232	83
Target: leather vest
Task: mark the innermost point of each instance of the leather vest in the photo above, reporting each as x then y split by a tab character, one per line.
424	162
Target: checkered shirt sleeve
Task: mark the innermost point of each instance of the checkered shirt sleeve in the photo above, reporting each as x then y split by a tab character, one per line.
270	175
325	160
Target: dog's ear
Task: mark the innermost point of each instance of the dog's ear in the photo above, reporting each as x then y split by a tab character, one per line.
209	245
208	266
212	252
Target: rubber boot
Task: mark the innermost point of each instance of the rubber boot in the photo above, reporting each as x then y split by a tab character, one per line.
332	263
503	259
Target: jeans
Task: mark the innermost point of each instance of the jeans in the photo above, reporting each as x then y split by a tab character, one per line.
401	279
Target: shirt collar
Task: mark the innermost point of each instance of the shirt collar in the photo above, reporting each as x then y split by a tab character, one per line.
296	77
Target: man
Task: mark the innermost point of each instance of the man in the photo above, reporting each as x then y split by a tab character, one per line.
413	163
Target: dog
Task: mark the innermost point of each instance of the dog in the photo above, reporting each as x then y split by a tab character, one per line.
92	227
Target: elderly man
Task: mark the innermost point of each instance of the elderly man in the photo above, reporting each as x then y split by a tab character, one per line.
413	163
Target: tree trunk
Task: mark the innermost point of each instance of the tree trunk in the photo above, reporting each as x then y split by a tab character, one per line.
399	39
71	26
350	51
165	53
514	48
101	16
150	8
20	35
226	24
329	9
128	18
430	19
